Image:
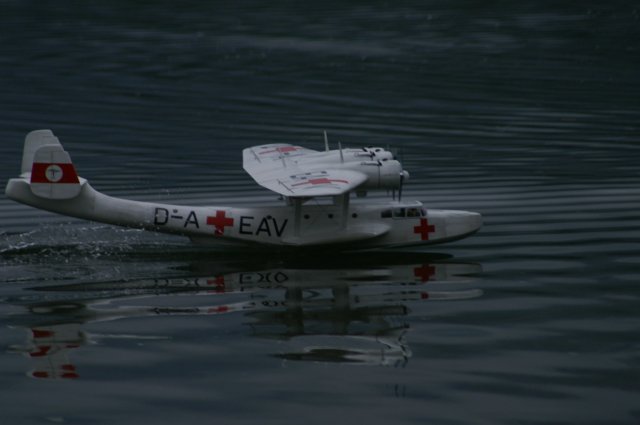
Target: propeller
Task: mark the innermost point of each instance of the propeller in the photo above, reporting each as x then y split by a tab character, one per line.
403	176
396	152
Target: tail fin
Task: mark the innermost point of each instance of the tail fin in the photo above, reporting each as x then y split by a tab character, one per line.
53	175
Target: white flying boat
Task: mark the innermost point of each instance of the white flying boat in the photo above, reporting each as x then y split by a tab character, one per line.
49	181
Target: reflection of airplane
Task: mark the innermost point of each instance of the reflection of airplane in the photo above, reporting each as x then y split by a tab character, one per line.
349	314
316	185
49	346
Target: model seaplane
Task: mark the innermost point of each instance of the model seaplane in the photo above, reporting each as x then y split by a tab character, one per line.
49	181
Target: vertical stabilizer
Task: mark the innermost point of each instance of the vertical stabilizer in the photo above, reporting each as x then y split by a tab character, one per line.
53	175
34	141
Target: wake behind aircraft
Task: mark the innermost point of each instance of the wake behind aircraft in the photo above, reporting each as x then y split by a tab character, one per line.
49	181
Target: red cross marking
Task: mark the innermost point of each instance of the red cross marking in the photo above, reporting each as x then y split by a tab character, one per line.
218	282
219	309
220	221
424	228
424	272
283	149
41	333
322	180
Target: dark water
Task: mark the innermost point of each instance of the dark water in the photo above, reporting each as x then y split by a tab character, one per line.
527	114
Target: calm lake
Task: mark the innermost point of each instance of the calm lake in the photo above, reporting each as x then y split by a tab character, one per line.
527	113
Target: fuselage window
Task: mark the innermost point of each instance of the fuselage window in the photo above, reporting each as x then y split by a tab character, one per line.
399	212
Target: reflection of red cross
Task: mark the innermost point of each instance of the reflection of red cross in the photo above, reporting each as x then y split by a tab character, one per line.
424	272
220	221
283	149
322	180
41	333
219	309
424	229
218	282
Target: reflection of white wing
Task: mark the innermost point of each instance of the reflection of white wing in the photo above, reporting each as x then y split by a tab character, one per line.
269	167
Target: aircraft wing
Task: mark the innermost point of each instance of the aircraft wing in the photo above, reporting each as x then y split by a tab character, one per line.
268	166
263	156
309	184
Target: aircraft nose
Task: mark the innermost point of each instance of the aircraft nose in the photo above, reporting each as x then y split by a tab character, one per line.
461	223
457	224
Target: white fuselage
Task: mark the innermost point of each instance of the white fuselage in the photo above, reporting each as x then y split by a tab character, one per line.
369	225
306	178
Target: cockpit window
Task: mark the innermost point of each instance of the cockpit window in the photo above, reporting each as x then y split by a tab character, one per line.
403	212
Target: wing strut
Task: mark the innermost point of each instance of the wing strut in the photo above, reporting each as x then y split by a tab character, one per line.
297	214
343	201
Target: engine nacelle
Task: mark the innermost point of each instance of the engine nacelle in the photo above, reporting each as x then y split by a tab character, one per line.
384	174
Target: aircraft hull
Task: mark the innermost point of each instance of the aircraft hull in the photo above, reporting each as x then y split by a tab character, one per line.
371	225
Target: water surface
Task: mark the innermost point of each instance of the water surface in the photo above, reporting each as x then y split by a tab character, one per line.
526	114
